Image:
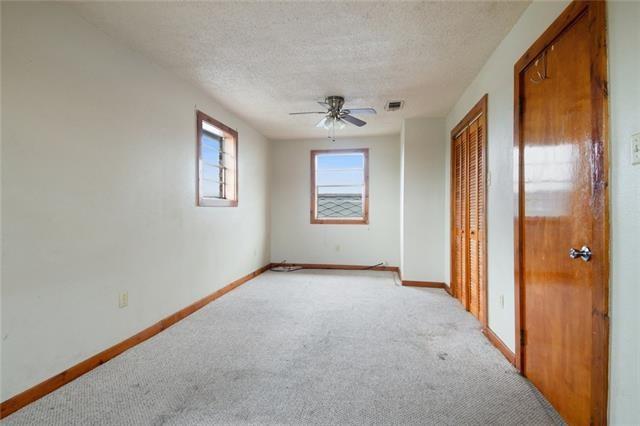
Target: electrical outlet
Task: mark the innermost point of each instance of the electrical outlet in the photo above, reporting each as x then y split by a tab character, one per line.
502	301
123	300
635	148
337	247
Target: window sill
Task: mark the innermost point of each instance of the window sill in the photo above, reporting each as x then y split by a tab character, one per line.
217	202
362	221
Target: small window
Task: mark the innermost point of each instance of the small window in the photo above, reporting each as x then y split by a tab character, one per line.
340	186
217	163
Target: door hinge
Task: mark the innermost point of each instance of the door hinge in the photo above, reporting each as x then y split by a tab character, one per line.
523	337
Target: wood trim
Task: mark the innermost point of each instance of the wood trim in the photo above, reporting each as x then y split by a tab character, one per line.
30	395
204	117
425	284
340	222
340	267
562	22
452	217
517	208
480	108
211	202
600	118
449	290
499	344
600	294
428	284
312	207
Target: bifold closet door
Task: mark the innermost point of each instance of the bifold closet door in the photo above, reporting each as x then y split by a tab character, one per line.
469	215
475	245
460	218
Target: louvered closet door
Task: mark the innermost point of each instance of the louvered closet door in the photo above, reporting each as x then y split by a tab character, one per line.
480	227
469	213
460	219
476	215
472	247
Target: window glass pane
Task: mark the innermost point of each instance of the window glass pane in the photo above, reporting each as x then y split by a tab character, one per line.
339	186
333	205
331	189
211	176
211	147
339	177
210	188
217	163
228	161
340	161
210	173
213	130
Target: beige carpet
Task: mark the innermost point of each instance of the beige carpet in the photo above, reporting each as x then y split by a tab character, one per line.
322	347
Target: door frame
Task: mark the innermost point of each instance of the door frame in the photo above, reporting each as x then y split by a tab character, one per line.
480	108
596	11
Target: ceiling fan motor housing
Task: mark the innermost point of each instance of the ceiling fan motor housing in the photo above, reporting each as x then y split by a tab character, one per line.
335	104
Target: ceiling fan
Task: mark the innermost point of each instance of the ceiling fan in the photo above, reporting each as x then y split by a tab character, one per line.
337	117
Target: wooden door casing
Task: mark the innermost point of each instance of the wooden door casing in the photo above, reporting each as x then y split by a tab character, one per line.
561	202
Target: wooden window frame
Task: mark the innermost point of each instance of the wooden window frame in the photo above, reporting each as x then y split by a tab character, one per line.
480	108
201	200
364	220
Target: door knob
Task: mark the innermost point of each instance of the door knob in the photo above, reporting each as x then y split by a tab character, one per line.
584	253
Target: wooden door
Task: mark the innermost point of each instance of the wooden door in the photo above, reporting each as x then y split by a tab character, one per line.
475	244
468	253
560	111
460	218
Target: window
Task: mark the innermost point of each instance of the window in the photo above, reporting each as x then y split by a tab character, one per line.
340	186
217	163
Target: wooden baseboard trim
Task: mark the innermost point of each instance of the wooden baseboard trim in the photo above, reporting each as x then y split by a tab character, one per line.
426	284
30	395
447	288
499	344
340	267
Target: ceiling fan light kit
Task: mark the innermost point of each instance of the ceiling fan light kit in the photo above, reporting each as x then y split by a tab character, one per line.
337	117
330	123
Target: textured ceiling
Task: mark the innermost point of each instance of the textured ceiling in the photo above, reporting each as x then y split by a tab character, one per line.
263	60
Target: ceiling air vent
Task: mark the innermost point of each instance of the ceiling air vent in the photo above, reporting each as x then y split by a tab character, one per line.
394	105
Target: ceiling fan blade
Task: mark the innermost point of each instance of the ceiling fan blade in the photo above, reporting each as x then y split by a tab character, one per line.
324	104
308	112
351	119
360	111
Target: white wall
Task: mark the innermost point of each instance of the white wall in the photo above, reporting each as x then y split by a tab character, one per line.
294	239
496	79
98	186
423	197
624	90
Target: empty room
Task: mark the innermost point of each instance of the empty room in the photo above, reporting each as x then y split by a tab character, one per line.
314	212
